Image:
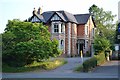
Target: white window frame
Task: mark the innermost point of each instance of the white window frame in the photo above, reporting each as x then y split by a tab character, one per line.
35	19
56	27
55	17
62	27
86	29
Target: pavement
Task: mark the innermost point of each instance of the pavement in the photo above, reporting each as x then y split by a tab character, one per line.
109	70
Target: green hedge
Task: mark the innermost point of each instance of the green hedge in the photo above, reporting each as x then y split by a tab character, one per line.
89	64
94	61
100	58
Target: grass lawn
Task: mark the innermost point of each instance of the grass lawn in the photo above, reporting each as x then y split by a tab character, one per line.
47	65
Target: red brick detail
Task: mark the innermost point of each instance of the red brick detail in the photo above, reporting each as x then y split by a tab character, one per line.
66	39
81	31
73	39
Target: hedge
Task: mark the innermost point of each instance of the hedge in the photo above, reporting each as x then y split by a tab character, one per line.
94	61
100	58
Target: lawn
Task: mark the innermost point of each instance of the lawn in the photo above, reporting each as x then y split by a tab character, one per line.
46	65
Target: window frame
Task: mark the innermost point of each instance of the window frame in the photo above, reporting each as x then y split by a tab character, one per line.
56	27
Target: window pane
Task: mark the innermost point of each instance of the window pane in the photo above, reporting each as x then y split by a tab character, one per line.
56	28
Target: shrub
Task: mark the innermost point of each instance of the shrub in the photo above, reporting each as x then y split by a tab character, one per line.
26	42
89	64
94	61
100	58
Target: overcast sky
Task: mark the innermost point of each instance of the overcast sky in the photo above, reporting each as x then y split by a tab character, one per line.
22	9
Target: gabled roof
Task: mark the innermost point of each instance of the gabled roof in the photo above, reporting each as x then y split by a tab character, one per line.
68	16
61	16
47	15
65	16
82	18
40	17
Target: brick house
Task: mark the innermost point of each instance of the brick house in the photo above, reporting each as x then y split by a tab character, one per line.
75	32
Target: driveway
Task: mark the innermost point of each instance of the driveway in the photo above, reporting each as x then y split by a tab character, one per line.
108	71
70	66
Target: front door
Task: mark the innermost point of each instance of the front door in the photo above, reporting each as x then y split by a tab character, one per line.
80	45
81	48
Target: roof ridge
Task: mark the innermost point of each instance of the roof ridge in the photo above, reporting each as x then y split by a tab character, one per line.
83	14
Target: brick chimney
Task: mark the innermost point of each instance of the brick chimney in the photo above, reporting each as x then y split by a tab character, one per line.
34	11
39	11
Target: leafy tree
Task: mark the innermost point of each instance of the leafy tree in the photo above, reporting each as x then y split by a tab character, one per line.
25	42
101	44
104	23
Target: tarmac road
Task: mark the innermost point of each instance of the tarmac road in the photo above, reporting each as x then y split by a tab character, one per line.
107	71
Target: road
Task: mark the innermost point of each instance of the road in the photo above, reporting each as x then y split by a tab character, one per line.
110	67
106	71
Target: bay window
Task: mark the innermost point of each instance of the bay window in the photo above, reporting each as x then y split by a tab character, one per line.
56	28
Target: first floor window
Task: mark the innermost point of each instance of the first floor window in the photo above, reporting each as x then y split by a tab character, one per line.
62	44
56	28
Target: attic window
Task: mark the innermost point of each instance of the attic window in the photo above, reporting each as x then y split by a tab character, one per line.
55	17
35	19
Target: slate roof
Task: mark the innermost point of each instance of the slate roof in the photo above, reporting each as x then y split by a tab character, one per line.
82	18
65	16
47	15
40	17
68	16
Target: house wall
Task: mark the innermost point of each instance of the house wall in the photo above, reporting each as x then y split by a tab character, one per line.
49	28
73	39
72	33
59	36
81	31
90	35
68	39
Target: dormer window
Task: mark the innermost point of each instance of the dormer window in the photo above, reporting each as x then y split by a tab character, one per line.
55	17
35	19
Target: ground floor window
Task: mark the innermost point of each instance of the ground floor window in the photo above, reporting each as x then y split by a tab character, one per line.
62	44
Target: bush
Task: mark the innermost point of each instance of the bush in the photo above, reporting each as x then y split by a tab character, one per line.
94	61
26	42
89	64
100	58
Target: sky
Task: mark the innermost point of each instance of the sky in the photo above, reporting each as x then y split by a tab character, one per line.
22	9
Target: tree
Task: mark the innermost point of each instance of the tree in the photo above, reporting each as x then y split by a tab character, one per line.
104	22
25	42
101	44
